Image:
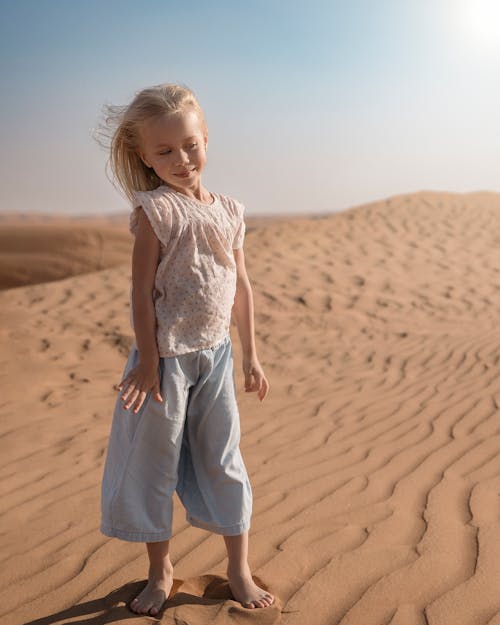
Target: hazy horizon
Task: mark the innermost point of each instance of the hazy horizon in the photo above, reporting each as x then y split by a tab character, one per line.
311	107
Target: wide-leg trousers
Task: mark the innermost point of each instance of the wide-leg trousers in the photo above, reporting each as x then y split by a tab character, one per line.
188	443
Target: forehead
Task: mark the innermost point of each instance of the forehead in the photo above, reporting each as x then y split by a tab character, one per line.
171	128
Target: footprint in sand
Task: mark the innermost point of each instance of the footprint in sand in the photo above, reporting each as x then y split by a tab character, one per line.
207	598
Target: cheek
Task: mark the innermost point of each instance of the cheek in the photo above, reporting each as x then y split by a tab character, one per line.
201	157
161	161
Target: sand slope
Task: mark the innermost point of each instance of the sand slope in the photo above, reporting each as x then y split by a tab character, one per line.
375	459
36	248
43	252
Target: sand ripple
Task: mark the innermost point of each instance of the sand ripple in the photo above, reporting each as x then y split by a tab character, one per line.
375	459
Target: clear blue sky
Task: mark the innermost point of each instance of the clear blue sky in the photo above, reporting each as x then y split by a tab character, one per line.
312	106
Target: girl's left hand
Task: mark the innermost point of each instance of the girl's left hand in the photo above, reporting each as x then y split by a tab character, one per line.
255	380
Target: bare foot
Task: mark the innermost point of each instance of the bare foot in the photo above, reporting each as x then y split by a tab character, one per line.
246	591
151	599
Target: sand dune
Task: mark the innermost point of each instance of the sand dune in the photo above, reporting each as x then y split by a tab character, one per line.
374	460
36	247
35	252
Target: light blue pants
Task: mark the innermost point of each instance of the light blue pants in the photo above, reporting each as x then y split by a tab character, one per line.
188	443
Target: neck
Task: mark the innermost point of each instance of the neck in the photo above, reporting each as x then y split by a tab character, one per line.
195	192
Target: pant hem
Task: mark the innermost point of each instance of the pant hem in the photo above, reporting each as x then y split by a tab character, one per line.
136	537
230	530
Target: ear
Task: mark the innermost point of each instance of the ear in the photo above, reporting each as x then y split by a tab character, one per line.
143	158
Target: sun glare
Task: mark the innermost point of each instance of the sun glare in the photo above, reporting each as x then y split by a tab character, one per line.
479	21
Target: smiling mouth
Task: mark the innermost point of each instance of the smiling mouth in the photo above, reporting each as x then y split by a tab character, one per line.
185	174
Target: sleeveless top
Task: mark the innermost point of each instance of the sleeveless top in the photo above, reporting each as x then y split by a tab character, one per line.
195	281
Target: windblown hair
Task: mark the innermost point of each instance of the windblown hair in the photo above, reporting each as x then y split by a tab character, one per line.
119	134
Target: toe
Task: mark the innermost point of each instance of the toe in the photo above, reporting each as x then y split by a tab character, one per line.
148	607
133	605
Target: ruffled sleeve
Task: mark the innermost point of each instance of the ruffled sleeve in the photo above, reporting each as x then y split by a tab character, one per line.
240	227
156	208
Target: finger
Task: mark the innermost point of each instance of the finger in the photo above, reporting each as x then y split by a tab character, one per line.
132	398
129	387
157	392
140	401
123	385
124	382
255	384
257	381
264	389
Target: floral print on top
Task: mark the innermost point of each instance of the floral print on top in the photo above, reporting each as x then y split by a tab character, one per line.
195	280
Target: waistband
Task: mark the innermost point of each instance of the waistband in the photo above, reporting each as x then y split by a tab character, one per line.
218	345
224	341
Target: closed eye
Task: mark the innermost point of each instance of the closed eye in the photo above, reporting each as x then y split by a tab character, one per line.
190	145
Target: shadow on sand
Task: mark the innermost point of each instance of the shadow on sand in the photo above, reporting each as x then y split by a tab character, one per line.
204	600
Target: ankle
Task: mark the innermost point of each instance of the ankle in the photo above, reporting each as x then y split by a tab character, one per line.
165	571
238	569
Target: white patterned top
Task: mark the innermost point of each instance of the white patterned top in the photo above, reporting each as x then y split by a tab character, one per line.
195	280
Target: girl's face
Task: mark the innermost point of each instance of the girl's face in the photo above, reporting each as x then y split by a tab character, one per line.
174	145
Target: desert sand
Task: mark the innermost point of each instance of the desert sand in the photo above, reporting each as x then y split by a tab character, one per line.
374	459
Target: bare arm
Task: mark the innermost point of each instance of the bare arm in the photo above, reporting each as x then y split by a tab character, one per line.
144	376
145	259
243	313
243	309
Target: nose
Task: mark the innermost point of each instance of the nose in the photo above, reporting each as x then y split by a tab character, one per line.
182	157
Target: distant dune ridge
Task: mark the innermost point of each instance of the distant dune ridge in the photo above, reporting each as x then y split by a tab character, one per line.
37	248
374	460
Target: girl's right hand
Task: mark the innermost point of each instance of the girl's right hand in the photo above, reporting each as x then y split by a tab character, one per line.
137	383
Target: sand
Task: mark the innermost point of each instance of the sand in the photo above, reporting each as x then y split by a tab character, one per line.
374	460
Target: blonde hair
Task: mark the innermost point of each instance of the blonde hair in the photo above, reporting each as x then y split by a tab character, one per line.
119	133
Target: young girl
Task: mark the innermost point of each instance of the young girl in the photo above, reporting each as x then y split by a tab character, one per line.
176	423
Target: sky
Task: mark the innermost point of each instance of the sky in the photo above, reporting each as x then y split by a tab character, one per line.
312	107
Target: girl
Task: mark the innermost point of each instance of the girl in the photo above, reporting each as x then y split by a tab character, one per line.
176	424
